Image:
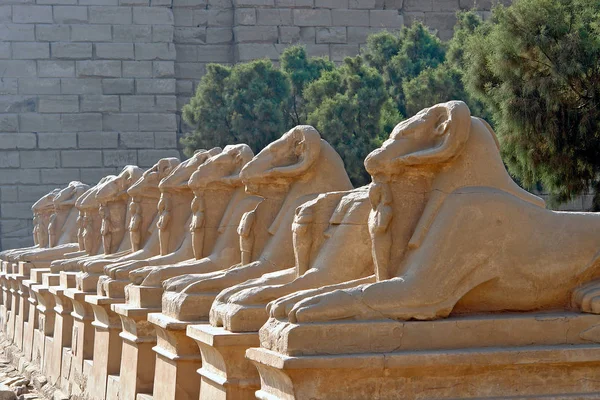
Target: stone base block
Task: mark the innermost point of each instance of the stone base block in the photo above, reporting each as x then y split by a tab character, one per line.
502	330
536	372
144	296
32	321
226	373
45	325
187	307
177	360
492	356
112	387
107	345
63	332
87	282
82	342
138	360
115	288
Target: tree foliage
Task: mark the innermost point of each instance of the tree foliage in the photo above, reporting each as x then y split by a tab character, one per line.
241	104
535	67
351	108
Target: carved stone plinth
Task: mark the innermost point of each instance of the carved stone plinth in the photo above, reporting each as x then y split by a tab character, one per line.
138	358
23	309
177	359
30	325
502	356
14	302
63	331
43	335
6	299
74	374
226	373
107	345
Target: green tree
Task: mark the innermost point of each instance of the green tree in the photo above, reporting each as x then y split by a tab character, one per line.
353	111
300	71
536	67
443	82
402	56
241	104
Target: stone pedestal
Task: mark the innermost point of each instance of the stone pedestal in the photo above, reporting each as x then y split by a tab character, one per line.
139	337
177	360
6	298
14	309
23	296
226	373
43	335
31	324
502	356
107	345
74	376
63	331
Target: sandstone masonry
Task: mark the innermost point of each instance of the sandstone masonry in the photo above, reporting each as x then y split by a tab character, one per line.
88	86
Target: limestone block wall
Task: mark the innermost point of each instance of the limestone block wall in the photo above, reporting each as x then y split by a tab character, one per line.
88	86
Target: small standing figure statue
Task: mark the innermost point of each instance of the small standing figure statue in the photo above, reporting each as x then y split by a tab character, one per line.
80	230
36	229
381	215
135	224
197	225
246	236
105	229
52	239
164	211
302	237
88	232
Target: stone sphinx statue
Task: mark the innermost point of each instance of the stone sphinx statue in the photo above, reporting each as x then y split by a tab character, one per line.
42	211
218	203
172	219
90	232
322	230
62	226
143	199
113	199
288	172
478	242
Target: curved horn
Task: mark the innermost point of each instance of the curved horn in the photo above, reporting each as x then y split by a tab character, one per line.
453	123
242	157
307	141
165	165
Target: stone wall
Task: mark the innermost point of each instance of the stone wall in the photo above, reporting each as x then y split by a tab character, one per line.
88	86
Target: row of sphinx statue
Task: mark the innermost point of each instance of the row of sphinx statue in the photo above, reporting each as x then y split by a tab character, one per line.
265	242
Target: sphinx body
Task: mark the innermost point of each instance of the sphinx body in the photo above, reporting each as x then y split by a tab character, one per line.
42	211
107	207
478	242
290	171
89	234
331	245
218	203
143	198
172	217
62	226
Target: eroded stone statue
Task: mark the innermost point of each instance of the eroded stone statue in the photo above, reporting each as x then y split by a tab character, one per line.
62	226
288	172
90	234
322	230
517	260
173	214
143	199
42	211
218	203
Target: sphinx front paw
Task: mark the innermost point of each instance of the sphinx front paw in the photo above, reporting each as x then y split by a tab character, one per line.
587	298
